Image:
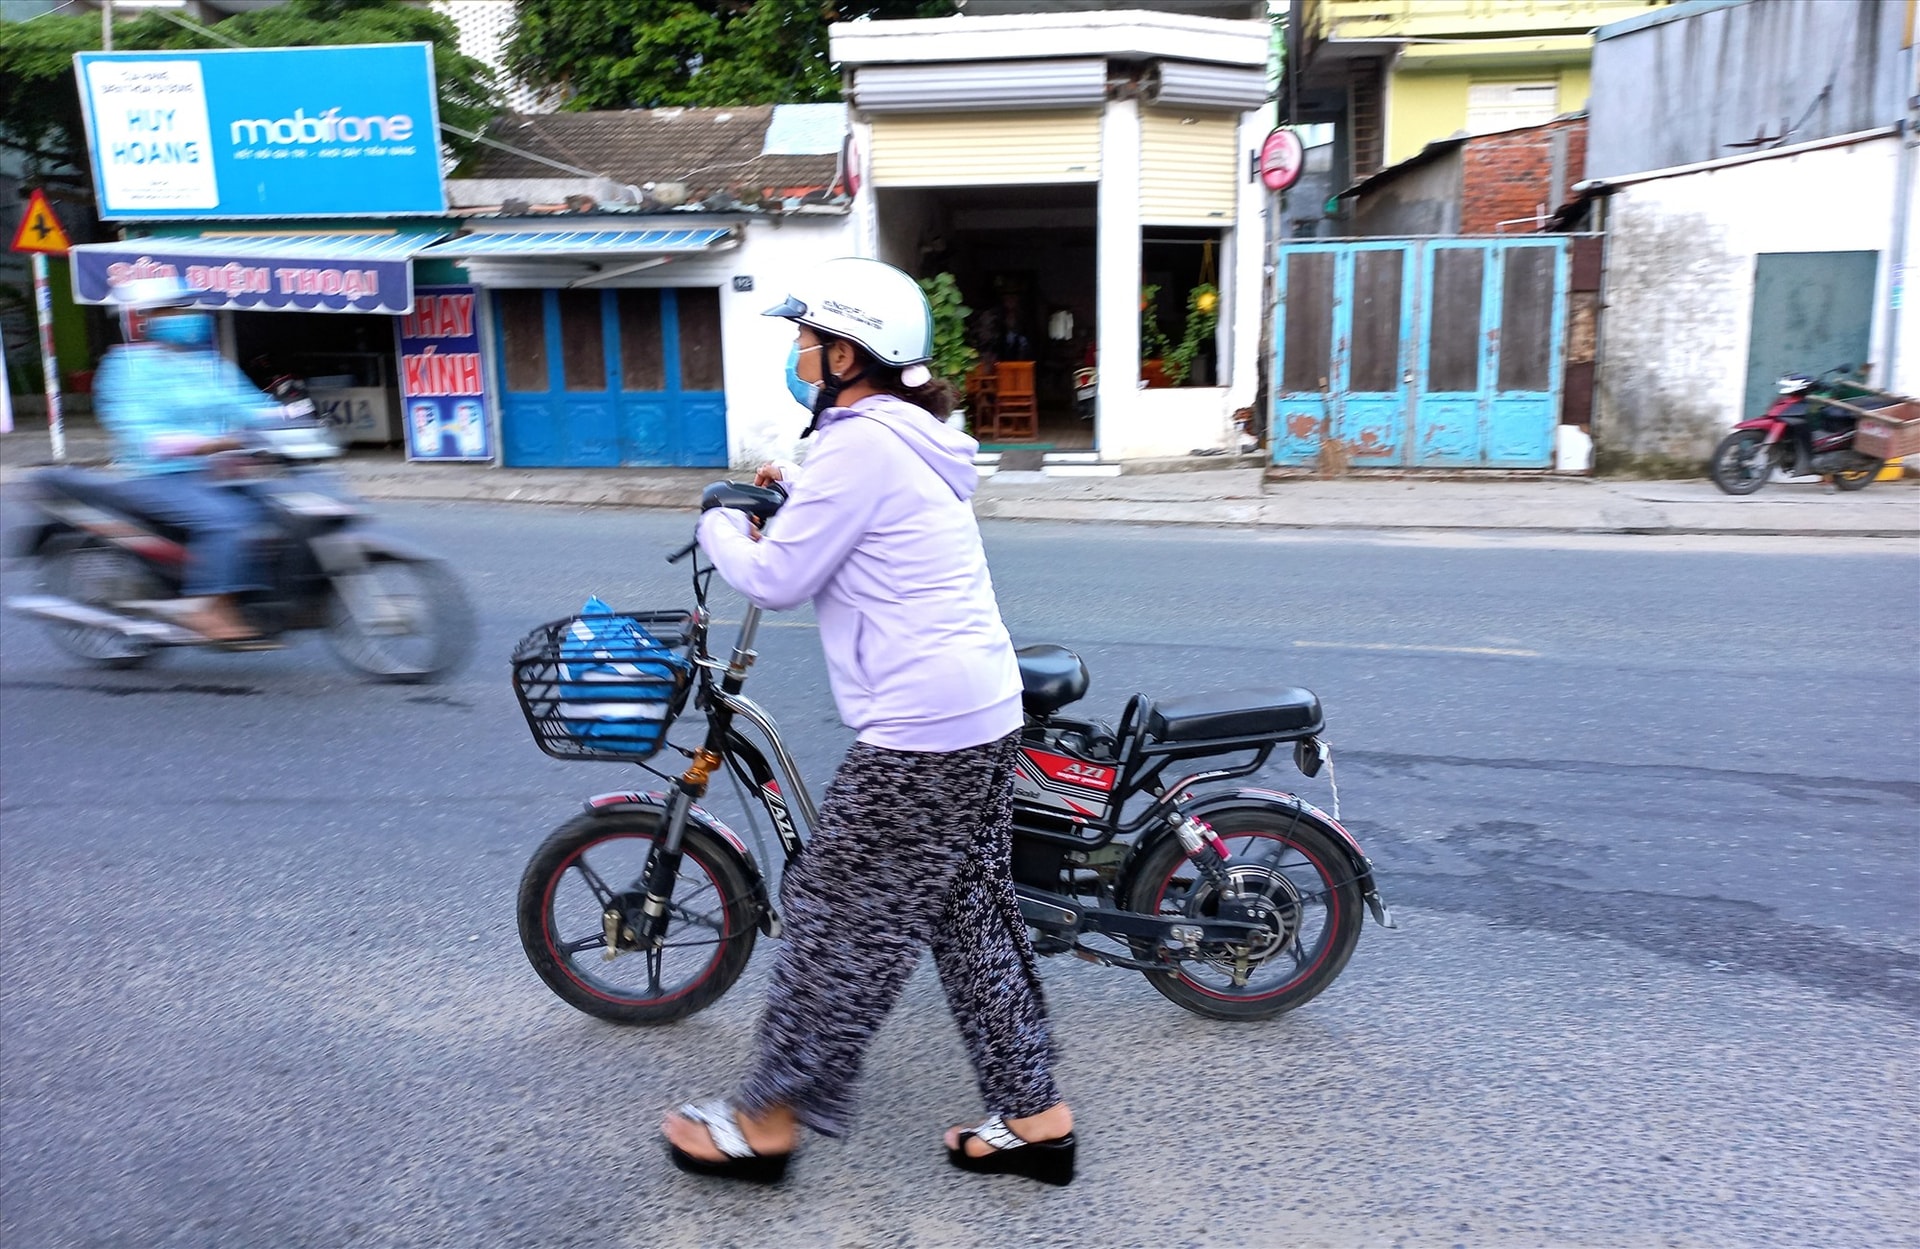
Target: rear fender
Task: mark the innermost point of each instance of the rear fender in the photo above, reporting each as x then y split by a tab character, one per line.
1289	807
605	804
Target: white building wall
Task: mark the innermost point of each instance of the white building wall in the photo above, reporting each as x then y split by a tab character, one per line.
1122	421
763	421
1679	284
1143	424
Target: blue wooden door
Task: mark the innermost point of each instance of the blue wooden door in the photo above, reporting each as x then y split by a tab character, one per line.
1371	321
599	379
1304	369
1429	353
1456	320
1527	361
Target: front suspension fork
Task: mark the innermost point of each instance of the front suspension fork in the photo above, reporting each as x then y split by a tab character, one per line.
663	862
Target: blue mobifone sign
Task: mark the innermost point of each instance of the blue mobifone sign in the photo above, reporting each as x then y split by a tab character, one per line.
267	132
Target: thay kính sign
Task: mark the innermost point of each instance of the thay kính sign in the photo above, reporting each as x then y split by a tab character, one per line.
263	132
443	381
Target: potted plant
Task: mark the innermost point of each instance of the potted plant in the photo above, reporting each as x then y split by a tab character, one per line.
1203	317
1154	344
953	356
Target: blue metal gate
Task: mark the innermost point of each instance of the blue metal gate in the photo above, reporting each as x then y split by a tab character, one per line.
1420	353
601	379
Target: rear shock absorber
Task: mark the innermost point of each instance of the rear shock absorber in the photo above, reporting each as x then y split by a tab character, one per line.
1204	848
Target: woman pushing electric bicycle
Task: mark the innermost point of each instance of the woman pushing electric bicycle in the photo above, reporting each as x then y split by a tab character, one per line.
879	534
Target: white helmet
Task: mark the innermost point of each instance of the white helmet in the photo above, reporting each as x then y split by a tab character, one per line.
866	302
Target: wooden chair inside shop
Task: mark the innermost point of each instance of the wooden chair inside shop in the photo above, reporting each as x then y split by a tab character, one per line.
1016	414
978	401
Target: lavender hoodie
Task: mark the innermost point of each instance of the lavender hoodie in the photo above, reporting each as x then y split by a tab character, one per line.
880	535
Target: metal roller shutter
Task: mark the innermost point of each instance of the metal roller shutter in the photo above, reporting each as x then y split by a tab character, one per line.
1189	167
985	149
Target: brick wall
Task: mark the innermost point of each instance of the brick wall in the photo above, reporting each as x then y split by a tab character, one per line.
1509	175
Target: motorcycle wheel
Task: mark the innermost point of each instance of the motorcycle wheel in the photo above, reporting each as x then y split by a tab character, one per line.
1858	478
1301	872
98	575
406	621
1742	462
592	859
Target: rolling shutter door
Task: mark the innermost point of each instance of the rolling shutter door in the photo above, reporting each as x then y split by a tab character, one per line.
1189	167
985	149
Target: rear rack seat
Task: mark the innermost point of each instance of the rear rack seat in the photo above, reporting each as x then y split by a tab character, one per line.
1280	713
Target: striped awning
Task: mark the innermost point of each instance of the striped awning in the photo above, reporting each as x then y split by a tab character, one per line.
583	244
262	272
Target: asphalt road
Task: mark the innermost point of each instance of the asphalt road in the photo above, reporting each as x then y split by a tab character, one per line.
1647	811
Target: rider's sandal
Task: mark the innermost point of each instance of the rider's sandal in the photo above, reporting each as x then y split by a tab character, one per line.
722	1121
1050	1162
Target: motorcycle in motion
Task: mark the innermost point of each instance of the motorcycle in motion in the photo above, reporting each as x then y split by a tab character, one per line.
108	571
1804	431
1236	903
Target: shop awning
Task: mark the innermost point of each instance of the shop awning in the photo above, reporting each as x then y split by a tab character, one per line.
263	272
582	244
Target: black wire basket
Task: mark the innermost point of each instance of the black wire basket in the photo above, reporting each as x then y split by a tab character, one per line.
605	687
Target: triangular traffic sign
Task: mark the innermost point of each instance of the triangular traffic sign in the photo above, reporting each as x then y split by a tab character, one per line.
40	230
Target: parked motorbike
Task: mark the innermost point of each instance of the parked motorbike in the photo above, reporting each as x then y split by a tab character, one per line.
297	407
108	571
1235	903
1803	432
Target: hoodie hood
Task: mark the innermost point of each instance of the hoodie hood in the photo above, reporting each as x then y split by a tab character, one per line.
945	450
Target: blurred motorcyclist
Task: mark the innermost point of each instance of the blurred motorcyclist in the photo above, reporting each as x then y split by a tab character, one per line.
170	402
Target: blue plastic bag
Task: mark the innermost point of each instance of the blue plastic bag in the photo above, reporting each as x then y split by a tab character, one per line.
618	683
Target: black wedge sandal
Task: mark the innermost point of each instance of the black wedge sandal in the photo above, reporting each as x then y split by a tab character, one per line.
722	1122
1050	1162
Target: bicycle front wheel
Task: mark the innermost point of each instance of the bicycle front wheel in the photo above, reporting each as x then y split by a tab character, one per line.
584	882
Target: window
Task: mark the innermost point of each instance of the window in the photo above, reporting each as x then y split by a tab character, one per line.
700	339
642	363
1504	105
583	351
523	324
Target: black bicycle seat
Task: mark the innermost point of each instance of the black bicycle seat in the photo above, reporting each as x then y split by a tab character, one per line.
759	502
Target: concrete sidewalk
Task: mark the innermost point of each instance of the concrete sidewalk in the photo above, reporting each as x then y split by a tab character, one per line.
1203	496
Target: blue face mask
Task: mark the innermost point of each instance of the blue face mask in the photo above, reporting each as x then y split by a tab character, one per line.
194	329
804	392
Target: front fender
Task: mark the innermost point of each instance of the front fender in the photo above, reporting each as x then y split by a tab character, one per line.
1293	808
602	804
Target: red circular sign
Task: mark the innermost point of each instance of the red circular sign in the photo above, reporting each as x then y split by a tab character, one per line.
1281	160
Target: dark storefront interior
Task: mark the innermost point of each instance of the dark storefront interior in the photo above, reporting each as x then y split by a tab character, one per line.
1026	264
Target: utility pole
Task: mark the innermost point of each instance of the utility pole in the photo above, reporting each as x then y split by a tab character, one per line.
106	25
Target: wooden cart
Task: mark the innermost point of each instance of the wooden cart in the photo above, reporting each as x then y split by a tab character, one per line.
1889	424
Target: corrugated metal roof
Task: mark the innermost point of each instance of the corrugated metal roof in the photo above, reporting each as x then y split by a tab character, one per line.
708	150
505	243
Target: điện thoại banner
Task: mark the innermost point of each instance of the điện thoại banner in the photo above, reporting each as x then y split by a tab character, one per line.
252	133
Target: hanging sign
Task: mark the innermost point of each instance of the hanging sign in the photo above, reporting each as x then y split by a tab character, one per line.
443	387
40	231
1282	160
263	132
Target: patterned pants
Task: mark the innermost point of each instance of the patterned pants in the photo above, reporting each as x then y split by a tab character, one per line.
913	850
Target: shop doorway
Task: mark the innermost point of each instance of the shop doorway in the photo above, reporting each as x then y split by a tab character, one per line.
606	379
1026	263
346	360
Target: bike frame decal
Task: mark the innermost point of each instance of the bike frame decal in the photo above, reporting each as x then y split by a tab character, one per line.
1066	770
782	818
